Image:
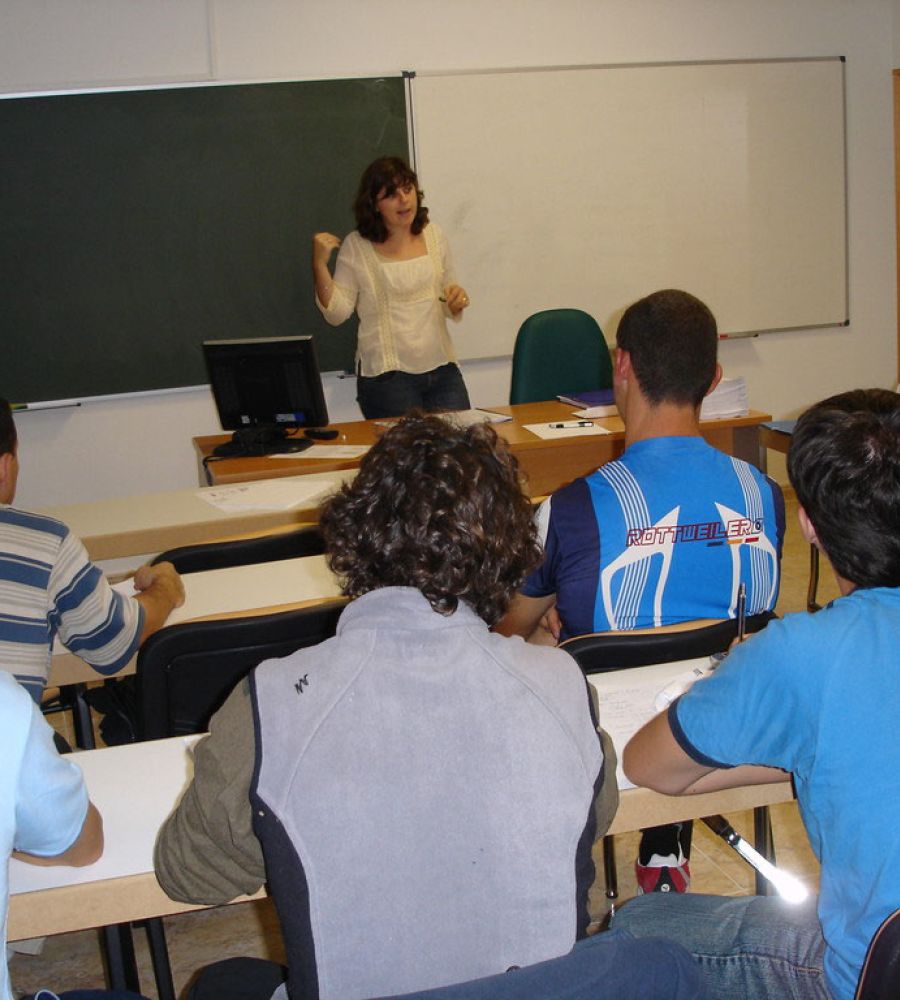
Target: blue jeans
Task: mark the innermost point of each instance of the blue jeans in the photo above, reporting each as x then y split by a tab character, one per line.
746	947
395	393
610	966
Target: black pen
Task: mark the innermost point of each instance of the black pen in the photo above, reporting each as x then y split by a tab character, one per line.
572	423
741	611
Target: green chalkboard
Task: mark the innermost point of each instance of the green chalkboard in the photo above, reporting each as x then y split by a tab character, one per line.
136	224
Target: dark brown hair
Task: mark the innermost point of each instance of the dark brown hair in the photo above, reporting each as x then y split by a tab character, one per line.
672	339
8	436
385	174
844	464
435	507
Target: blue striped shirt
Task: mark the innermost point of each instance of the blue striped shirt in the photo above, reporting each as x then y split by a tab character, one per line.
50	589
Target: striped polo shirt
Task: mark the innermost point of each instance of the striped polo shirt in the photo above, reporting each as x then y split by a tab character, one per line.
49	588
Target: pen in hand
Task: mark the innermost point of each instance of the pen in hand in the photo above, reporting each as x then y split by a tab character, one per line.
572	423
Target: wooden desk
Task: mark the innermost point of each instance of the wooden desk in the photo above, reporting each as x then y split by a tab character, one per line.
121	887
153	522
257	589
547	464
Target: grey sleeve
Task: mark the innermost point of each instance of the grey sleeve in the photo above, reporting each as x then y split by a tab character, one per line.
206	851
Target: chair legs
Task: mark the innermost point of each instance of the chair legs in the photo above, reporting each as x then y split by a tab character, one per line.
121	965
764	843
609	868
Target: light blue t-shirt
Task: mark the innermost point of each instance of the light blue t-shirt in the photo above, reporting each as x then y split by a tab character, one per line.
819	695
43	800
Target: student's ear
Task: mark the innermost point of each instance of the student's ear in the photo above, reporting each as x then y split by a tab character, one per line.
716	379
806	528
622	364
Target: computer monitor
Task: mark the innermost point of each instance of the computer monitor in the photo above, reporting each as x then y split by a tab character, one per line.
263	388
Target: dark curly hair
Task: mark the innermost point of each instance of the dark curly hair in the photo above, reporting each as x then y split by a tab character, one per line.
844	464
439	508
385	174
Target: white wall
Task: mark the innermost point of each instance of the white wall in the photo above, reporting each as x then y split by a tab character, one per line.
129	446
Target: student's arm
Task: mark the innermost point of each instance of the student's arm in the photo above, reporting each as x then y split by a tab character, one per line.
524	617
207	851
86	849
653	758
160	592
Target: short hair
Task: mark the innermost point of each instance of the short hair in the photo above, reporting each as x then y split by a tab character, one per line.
672	339
387	173
844	464
8	436
437	507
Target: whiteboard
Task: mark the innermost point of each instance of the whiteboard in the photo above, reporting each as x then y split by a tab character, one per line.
590	187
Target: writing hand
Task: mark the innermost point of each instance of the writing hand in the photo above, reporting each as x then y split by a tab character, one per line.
456	299
323	246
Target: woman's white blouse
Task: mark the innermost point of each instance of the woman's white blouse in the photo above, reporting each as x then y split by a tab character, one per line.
402	322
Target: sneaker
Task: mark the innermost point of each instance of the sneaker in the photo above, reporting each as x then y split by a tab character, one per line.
663	878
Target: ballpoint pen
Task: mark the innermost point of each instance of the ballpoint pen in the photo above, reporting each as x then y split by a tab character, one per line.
572	423
741	612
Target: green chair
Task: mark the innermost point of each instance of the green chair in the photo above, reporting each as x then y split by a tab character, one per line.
559	351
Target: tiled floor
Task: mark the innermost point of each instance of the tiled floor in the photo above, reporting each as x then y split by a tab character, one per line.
73	960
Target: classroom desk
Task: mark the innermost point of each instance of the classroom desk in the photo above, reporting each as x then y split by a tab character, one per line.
121	887
153	522
547	464
261	588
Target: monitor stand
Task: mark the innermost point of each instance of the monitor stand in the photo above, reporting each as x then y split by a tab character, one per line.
266	439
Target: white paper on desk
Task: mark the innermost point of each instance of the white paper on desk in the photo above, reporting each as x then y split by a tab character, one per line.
608	410
626	700
334	451
159	770
466	418
265	494
547	432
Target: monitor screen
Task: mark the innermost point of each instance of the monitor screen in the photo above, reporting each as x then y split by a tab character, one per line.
266	382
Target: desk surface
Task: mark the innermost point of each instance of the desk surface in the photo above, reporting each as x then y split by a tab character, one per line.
256	589
546	463
153	522
121	886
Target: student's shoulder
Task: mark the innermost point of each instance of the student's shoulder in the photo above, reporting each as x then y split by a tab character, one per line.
14	519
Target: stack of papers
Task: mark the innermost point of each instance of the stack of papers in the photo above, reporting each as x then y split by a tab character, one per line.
466	418
728	399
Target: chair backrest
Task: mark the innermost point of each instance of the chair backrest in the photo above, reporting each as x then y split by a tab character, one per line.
880	976
603	651
305	541
559	351
186	671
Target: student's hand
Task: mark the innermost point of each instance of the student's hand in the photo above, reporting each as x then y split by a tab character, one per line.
161	579
323	246
456	299
548	629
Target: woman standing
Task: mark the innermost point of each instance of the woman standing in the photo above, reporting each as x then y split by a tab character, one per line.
395	270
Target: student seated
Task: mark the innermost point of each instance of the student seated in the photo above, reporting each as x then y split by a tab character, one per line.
421	795
46	817
664	534
816	696
50	588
